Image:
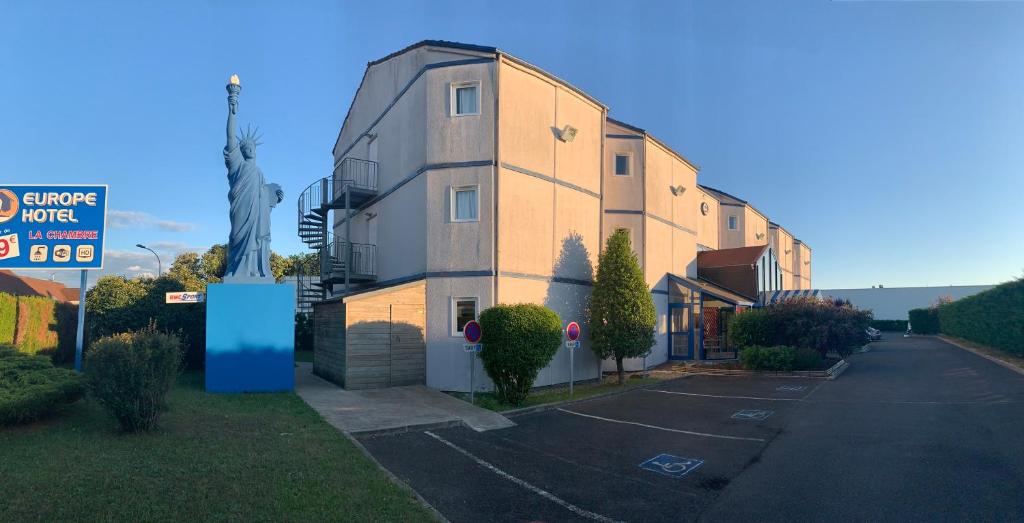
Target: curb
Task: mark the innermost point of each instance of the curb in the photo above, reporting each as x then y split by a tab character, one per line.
812	374
837	369
369	433
976	352
559	404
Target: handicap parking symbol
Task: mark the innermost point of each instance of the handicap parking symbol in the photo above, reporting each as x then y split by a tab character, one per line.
791	388
751	414
670	465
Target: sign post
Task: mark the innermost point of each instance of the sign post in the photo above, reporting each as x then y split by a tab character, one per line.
473	333
572	331
54	227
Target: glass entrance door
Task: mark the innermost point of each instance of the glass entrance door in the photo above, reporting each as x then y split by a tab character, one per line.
680	331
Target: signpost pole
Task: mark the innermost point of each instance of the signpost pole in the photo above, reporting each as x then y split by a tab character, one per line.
472	367
572	373
80	329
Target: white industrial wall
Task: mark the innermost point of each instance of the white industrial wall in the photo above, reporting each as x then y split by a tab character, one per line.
893	303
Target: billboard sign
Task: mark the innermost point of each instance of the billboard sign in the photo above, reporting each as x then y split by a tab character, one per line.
185	297
52	226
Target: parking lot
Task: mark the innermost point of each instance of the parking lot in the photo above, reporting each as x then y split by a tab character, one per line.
916	429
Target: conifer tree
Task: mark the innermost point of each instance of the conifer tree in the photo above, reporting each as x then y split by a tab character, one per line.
621	314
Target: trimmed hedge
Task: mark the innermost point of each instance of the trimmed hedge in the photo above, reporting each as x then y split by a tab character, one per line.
519	340
801	322
768	358
890	325
130	374
780	358
8	318
994	318
924	321
31	387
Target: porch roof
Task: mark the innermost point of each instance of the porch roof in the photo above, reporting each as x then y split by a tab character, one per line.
709	288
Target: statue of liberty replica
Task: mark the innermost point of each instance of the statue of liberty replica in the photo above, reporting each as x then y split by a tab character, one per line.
250	327
251	200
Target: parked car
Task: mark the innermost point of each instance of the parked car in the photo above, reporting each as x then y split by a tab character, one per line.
873	334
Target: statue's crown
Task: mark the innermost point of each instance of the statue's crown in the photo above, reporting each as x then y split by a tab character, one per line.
249	135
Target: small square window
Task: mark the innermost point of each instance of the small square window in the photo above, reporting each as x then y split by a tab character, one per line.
732	223
466	99
465	204
621	165
463	310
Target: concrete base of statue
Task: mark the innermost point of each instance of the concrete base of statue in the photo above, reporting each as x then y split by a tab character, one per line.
250	337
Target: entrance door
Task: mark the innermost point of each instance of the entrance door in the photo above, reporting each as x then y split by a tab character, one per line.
680	331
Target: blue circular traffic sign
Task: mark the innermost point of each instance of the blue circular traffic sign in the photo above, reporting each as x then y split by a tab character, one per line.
472	331
572	331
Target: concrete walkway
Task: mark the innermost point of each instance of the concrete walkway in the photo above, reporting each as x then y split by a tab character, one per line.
395	409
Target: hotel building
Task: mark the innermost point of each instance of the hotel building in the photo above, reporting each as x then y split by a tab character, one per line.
466	177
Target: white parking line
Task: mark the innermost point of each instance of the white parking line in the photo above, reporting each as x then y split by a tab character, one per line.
666	429
725	397
537	490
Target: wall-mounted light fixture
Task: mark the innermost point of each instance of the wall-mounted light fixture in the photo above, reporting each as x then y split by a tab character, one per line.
759	235
370	215
677	190
567	133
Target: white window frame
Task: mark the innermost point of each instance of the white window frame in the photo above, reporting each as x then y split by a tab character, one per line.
455	312
455	86
732	222
452	198
629	165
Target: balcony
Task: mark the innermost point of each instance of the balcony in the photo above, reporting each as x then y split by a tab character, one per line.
358	260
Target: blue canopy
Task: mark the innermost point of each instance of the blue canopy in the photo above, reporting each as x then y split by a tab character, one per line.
768	298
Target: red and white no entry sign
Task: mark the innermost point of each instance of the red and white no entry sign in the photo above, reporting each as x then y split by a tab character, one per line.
572	331
472	331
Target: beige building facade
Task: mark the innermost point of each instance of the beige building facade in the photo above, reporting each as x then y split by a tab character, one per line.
491	181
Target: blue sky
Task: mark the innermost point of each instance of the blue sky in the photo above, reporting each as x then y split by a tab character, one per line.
886	135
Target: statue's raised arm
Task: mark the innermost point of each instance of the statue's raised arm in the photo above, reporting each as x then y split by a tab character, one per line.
233	89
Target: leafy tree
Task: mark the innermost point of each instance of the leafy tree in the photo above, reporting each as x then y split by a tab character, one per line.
306	263
213	263
111	305
187	270
621	312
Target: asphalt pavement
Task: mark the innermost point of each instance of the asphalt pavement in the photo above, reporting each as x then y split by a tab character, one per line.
915	430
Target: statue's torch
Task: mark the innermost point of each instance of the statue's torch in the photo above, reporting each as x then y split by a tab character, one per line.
233	88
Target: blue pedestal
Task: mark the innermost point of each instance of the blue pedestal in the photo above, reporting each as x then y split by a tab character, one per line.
250	337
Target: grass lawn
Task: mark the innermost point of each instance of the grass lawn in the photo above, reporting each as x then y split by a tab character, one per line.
247	457
607	385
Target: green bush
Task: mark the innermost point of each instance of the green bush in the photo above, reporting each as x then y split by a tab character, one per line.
519	341
303	332
750	328
8	318
807	359
768	358
925	321
130	374
994	317
890	325
117	304
802	322
31	387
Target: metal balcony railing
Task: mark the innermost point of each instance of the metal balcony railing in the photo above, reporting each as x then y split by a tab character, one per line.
360	174
359	259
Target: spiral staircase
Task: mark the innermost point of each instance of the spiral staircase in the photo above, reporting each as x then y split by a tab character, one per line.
342	263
